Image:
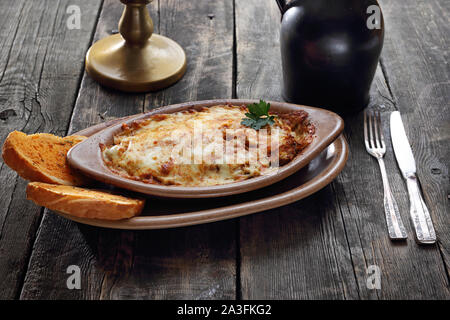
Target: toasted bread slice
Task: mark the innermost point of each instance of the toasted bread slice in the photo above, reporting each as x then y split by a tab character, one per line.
83	203
42	157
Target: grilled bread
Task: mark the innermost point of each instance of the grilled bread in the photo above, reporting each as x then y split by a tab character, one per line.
42	157
84	203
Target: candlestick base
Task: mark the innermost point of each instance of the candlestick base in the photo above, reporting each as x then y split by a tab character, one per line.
157	64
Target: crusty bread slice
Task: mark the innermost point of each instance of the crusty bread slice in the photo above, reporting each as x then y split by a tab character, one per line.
83	203
42	157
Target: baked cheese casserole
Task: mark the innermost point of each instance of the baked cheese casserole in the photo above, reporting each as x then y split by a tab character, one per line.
205	147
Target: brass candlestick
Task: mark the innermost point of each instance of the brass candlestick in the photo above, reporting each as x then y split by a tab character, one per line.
136	60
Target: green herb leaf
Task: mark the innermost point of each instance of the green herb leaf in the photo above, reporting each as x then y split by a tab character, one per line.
258	115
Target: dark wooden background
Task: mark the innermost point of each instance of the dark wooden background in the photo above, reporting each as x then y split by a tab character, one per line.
319	247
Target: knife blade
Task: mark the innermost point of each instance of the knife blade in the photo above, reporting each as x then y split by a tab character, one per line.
400	143
420	215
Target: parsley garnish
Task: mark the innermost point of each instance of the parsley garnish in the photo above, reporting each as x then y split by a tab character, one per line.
258	115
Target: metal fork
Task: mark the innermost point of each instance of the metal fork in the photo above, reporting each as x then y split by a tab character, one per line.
375	146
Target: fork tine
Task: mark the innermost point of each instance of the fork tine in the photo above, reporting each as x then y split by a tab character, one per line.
375	129
381	130
366	139
371	130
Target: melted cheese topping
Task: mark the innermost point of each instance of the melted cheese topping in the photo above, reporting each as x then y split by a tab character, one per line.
205	147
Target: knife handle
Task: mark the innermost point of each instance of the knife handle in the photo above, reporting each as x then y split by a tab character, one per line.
394	221
420	215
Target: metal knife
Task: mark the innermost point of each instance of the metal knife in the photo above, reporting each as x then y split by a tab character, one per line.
420	215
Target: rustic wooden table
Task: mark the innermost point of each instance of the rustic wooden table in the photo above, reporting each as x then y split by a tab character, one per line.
320	247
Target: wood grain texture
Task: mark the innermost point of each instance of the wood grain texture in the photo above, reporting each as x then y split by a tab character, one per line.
321	247
38	84
408	270
205	31
416	59
317	248
185	263
298	251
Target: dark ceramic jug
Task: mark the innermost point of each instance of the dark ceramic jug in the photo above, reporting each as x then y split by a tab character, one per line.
330	50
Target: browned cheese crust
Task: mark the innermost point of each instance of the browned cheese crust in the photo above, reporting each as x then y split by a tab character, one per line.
142	150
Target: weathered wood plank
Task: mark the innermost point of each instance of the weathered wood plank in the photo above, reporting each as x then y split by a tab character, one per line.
209	48
195	262
298	251
408	270
316	248
40	68
416	59
284	252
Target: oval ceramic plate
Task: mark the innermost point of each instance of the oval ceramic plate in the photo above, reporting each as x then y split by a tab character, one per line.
162	213
87	157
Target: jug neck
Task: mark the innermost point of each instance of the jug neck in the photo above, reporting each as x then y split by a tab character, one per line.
281	5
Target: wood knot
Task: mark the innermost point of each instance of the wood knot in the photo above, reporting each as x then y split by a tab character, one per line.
5	114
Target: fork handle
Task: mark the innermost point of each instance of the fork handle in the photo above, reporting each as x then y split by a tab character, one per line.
393	219
420	215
